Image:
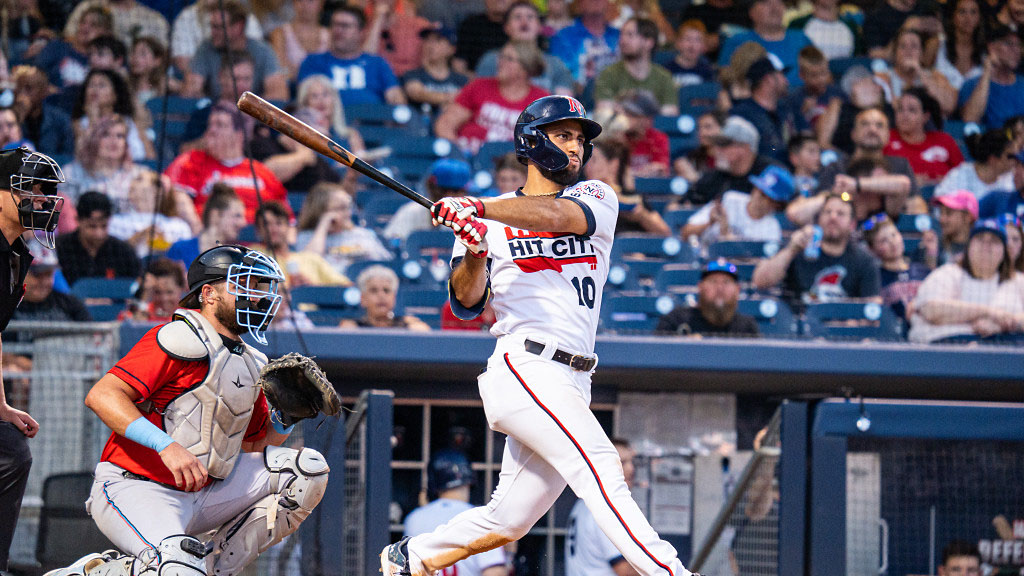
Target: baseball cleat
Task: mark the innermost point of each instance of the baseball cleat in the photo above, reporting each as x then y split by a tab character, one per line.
84	565
394	559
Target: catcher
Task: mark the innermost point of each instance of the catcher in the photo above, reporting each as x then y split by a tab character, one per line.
196	447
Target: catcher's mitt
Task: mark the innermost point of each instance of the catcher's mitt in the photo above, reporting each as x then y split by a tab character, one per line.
298	388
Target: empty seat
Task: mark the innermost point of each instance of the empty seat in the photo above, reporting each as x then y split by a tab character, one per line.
851	320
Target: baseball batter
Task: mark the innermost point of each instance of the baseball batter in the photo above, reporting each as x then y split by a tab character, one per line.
195	447
541	253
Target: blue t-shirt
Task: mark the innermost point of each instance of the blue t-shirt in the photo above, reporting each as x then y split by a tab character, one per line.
699	74
360	80
995	204
63	65
1004	102
583	53
184	250
786	50
769	125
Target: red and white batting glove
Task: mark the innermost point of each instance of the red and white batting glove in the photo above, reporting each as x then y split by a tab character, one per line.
450	210
473	235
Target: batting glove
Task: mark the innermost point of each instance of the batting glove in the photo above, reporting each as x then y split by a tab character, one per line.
449	210
473	235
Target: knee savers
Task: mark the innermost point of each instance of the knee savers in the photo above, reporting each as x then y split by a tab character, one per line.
298	479
174	556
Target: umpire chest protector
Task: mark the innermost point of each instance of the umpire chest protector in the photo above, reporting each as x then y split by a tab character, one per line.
210	418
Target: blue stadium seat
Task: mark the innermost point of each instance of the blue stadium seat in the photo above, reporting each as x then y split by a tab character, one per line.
105	312
839	66
927	192
381	207
742	249
697	95
484	158
383	114
173	122
850	320
637	258
295	200
430	244
676	219
676	186
425	304
631	313
676	278
115	289
326	305
247	235
915	223
774	317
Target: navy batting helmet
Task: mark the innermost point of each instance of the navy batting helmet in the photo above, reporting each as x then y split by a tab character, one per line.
532	143
448	469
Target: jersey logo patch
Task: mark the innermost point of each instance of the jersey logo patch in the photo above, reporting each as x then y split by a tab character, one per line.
537	251
587	188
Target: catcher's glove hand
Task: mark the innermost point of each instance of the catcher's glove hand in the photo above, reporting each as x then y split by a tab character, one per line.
298	388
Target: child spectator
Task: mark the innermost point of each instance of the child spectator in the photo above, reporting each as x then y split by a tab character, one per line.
690	66
805	158
815	106
434	84
899	277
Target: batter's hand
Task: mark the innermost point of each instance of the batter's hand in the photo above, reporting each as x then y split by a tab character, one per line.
448	211
473	235
189	473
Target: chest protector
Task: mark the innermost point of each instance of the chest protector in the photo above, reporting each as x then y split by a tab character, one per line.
210	419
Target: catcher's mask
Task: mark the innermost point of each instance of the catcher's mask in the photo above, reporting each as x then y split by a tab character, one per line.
33	180
253	278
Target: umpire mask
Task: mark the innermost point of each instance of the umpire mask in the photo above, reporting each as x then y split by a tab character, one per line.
33	181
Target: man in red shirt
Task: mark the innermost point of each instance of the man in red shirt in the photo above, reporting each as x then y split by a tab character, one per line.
221	159
648	146
195	448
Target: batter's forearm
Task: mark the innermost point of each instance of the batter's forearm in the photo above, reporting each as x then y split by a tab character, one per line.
538	213
469	280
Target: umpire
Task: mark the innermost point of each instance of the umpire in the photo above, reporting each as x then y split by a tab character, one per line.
28	201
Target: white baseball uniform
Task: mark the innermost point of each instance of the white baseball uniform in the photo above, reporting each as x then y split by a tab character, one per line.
547	290
588	552
440	511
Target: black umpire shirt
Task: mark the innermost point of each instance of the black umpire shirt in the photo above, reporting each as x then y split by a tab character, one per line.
14	261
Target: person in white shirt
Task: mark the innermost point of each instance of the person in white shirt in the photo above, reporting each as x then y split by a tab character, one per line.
740	216
994	158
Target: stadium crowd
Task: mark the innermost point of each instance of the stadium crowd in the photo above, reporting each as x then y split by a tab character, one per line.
769	157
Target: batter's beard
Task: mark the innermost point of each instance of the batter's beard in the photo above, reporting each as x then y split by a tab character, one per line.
564	177
718	314
228	317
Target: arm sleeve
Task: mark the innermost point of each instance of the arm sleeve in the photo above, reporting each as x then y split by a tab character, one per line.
146	367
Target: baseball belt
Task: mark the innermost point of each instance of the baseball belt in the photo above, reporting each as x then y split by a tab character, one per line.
574	361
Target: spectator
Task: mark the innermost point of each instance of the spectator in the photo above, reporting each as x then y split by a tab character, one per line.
646	9
998	94
192	27
887	18
105	94
1014	240
90	251
634	70
44	304
434	84
992	168
66	60
46	125
870	194
734	76
152	224
839	268
769	31
648	146
701	159
805	158
715	14
394	33
1010	14
962	50
345	61
836	35
768	87
863	91
736	159
103	163
446	177
326	228
589	44
448	13
108	53
221	159
478	33
163	285
378	291
980	298
816	105
301	36
223	219
919	138
899	278
10	130
957	213
317	93
960	558
690	65
610	163
522	25
999	202
235	77
716	312
296	165
907	69
301	268
147	71
558	16
485	110
741	216
131	19
26	33
228	37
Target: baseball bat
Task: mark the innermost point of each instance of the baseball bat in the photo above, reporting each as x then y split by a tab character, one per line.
310	137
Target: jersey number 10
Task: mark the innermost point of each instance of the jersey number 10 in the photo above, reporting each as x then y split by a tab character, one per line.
586	290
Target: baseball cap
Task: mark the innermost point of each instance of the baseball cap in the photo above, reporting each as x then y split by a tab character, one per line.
737	131
990	225
958	200
763	67
640	103
450	173
442	31
776	182
721	265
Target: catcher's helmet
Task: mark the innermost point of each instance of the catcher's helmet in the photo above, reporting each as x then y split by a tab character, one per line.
532	143
32	179
252	277
448	469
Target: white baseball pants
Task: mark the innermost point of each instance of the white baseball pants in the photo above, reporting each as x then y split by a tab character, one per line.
553	440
